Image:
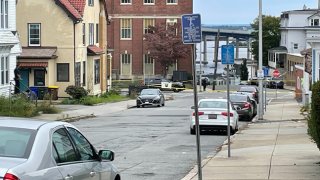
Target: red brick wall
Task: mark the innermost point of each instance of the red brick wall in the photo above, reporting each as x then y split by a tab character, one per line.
135	46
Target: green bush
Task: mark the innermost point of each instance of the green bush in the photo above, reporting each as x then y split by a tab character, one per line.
314	120
17	106
47	108
76	92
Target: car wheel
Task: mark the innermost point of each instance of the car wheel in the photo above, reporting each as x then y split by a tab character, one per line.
192	131
232	131
138	106
158	105
162	103
143	106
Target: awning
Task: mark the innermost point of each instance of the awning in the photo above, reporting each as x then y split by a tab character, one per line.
32	64
94	50
38	53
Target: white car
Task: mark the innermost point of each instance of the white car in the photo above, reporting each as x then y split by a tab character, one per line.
213	115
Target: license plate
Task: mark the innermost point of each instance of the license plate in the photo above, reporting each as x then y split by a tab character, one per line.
212	116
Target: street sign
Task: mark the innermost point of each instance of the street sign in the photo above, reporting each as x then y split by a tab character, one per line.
260	74
191	28
276	73
227	54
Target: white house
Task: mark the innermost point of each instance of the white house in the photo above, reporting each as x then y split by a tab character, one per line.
9	45
300	30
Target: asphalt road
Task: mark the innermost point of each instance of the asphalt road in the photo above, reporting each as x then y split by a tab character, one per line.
154	143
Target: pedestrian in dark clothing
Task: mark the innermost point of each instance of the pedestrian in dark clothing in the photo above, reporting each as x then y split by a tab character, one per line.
204	84
17	79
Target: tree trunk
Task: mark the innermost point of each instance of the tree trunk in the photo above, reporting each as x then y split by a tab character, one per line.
216	51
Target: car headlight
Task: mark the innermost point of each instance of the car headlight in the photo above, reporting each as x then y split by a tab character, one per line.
156	98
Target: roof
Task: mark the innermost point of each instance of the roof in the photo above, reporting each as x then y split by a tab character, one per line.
75	8
38	53
7	37
32	64
278	49
95	50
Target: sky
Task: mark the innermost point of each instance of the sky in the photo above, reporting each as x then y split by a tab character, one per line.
217	12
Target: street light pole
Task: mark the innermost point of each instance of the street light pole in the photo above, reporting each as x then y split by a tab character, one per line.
260	117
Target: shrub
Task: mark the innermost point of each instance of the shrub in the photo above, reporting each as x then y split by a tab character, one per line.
314	120
17	106
76	92
46	108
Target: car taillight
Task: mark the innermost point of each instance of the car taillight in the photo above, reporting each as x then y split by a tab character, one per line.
247	106
199	113
9	176
226	114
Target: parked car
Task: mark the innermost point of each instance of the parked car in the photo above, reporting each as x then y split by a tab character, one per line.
213	115
50	150
276	83
164	84
252	100
148	97
242	104
251	89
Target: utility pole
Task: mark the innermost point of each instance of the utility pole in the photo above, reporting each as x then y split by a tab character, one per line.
216	51
260	117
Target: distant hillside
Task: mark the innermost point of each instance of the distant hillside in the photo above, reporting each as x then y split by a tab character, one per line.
229	26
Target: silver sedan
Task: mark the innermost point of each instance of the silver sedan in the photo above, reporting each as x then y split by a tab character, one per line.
50	151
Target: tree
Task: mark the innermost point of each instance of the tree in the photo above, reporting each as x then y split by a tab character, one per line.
270	36
164	44
244	71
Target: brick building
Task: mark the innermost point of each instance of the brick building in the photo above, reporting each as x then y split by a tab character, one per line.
129	21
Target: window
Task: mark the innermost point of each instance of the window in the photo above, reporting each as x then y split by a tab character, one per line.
295	46
314	22
84	73
90	2
78	74
34	34
125	28
82	144
148	1
125	64
39	77
125	2
63	147
146	24
91	33
171	22
4	14
84	34
172	1
63	72
4	68
97	71
148	65
97	33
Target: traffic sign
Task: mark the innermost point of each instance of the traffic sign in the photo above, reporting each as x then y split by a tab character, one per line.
191	28
260	74
276	73
227	54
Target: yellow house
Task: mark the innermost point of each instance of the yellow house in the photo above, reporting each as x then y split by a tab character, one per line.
63	43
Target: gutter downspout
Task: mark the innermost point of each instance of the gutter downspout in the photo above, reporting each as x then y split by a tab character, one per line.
74	52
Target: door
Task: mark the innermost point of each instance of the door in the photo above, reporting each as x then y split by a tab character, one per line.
24	82
39	77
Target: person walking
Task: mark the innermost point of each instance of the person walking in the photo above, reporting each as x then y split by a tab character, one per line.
204	83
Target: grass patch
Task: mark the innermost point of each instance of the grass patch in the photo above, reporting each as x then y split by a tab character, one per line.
92	100
46	108
17	106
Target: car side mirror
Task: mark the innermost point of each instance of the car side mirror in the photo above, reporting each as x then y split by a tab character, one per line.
106	155
192	107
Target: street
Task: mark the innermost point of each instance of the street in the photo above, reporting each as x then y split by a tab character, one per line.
154	143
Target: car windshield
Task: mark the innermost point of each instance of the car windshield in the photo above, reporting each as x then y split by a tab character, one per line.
238	98
213	104
16	142
149	92
248	89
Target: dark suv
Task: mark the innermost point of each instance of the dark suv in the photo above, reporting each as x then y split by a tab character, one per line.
251	89
276	83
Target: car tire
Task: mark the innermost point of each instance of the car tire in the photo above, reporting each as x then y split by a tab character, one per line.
162	104
142	106
192	131
232	131
158	105
138	106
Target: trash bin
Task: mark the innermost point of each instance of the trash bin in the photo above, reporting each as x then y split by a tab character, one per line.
35	90
42	90
53	91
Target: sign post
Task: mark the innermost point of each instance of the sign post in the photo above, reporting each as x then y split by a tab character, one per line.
191	34
227	57
276	74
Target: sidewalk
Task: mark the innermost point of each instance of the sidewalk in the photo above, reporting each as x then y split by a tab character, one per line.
276	147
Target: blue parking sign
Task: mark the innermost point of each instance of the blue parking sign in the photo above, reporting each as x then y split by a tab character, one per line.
227	54
191	28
